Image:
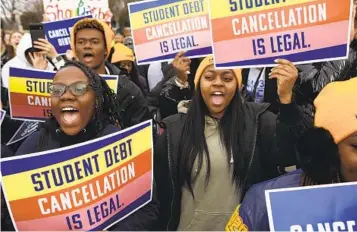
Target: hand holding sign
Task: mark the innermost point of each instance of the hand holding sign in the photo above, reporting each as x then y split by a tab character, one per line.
182	66
38	60
47	48
286	74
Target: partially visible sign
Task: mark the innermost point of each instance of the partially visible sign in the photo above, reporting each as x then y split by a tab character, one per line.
66	9
58	33
316	208
29	95
163	28
2	115
255	33
26	129
87	186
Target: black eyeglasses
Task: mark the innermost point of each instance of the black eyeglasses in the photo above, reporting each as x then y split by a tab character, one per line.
77	89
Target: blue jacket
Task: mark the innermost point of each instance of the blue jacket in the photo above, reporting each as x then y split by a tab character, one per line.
252	214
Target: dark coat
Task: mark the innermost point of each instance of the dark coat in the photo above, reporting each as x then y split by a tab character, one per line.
269	138
131	100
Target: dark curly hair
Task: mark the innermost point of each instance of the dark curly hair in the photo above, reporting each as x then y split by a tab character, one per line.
106	109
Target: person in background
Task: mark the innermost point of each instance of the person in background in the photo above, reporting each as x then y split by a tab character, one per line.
178	84
129	42
327	153
123	58
7	51
206	160
15	38
7	38
126	30
84	108
27	58
91	41
118	38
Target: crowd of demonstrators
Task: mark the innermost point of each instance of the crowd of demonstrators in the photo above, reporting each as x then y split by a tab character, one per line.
327	152
222	144
214	130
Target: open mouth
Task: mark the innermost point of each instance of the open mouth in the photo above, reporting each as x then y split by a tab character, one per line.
69	115
217	98
88	57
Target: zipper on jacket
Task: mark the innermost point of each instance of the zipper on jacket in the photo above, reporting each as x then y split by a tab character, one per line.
172	181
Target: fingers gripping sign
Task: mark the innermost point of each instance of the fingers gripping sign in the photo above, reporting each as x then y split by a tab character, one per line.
286	74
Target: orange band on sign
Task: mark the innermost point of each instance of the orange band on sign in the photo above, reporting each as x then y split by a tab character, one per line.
19	207
141	37
336	11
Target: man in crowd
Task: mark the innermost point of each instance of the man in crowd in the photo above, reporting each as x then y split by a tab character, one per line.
91	41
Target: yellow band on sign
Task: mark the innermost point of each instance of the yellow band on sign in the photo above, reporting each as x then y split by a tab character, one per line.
228	8
41	87
30	86
26	188
113	85
170	12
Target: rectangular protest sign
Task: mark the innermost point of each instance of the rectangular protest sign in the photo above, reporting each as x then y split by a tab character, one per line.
88	186
315	208
2	115
163	28
58	33
66	9
255	33
29	93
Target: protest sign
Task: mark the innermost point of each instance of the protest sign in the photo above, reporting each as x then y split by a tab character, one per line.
315	208
88	186
66	9
26	129
255	33
2	115
29	93
163	28
58	33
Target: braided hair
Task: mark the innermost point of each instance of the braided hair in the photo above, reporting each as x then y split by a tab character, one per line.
106	109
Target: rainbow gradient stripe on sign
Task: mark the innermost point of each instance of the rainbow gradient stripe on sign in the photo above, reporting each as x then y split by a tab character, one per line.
29	93
253	33
87	186
163	28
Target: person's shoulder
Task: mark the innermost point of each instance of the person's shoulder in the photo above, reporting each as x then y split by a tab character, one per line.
109	129
257	191
30	144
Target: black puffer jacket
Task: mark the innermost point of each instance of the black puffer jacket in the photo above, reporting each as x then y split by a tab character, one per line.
320	74
269	138
131	101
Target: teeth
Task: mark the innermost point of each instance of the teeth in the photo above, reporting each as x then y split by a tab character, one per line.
69	109
217	93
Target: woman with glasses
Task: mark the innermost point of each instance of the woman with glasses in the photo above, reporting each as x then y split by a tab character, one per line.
83	108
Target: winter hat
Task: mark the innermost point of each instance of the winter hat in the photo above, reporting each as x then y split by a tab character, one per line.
96	24
209	60
336	109
122	52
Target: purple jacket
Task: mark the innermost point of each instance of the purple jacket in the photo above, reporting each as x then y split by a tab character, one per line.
252	214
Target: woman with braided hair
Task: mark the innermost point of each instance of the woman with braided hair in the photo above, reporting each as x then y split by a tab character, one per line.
327	154
84	108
